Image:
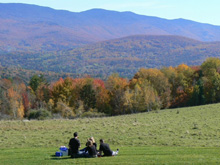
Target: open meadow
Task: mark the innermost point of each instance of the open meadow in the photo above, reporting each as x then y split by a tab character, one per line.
174	136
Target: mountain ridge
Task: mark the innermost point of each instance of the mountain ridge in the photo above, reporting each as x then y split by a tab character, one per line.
36	28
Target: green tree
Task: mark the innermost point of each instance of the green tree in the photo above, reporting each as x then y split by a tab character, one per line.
88	96
144	96
210	66
198	97
211	69
36	81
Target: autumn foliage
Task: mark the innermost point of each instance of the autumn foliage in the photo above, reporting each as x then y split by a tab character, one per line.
148	90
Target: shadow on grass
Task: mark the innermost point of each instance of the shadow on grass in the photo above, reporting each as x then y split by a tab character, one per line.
54	157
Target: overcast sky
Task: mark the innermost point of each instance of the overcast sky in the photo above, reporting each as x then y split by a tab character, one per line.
204	11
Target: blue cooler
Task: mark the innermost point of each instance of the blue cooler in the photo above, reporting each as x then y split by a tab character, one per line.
64	150
58	154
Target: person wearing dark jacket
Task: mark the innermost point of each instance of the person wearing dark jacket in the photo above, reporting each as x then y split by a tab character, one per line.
92	153
104	147
93	142
74	145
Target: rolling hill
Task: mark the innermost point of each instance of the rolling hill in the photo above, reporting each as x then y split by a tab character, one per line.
124	56
35	28
162	137
127	55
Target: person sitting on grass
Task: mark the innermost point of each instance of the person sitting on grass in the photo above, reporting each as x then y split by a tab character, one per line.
104	147
93	142
90	151
74	145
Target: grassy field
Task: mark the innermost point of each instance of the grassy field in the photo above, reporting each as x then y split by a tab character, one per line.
176	136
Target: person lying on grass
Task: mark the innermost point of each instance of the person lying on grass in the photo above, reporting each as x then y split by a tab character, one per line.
104	147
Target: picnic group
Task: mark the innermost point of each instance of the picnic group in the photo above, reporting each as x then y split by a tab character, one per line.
90	151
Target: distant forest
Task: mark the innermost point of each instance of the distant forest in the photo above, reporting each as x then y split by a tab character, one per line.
149	89
124	56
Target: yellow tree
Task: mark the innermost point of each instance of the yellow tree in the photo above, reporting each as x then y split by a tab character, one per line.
181	80
144	96
61	94
116	87
16	105
159	82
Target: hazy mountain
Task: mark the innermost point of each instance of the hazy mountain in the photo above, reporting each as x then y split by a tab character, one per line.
124	56
31	27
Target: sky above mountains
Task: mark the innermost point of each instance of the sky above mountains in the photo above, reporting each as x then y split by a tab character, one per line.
203	11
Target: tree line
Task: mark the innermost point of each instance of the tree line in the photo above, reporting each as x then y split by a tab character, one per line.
148	90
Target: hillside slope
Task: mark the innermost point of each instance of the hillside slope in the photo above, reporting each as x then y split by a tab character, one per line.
188	127
31	27
124	56
127	55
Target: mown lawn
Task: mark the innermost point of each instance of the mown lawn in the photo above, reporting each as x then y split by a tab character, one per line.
127	155
176	136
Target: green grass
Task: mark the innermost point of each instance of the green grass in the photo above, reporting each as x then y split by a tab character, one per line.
177	136
134	155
